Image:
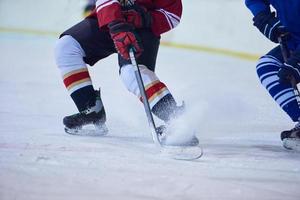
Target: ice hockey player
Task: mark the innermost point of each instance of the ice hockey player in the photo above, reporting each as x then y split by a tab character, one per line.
113	27
89	7
273	72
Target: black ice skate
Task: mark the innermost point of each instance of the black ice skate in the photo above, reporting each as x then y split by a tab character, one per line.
178	143
291	138
91	121
165	131
162	135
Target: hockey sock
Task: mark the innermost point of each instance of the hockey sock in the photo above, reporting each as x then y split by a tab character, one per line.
283	94
69	59
156	91
165	108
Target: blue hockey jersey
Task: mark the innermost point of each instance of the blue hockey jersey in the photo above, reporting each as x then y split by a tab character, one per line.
288	11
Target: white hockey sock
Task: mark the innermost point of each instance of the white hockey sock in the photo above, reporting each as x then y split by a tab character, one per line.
155	89
69	59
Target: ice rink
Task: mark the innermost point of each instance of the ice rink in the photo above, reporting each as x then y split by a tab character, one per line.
237	123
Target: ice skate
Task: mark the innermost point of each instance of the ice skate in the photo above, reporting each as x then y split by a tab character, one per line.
91	121
291	138
163	133
175	132
178	140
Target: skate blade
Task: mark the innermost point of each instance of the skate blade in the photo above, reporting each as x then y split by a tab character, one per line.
182	152
292	144
92	130
188	143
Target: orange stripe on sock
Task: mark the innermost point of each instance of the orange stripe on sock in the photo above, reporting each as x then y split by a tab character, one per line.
158	93
154	89
74	72
78	82
73	78
151	84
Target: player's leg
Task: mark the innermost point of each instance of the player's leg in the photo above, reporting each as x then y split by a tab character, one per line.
78	46
283	94
161	101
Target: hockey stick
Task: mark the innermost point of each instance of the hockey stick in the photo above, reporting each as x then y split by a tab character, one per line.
140	82
285	54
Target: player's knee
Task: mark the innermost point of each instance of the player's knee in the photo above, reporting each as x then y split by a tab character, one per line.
59	50
127	73
128	77
68	53
267	67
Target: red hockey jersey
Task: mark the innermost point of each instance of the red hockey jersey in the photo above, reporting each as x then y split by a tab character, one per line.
165	14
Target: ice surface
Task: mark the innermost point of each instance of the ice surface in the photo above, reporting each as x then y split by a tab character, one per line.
236	121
